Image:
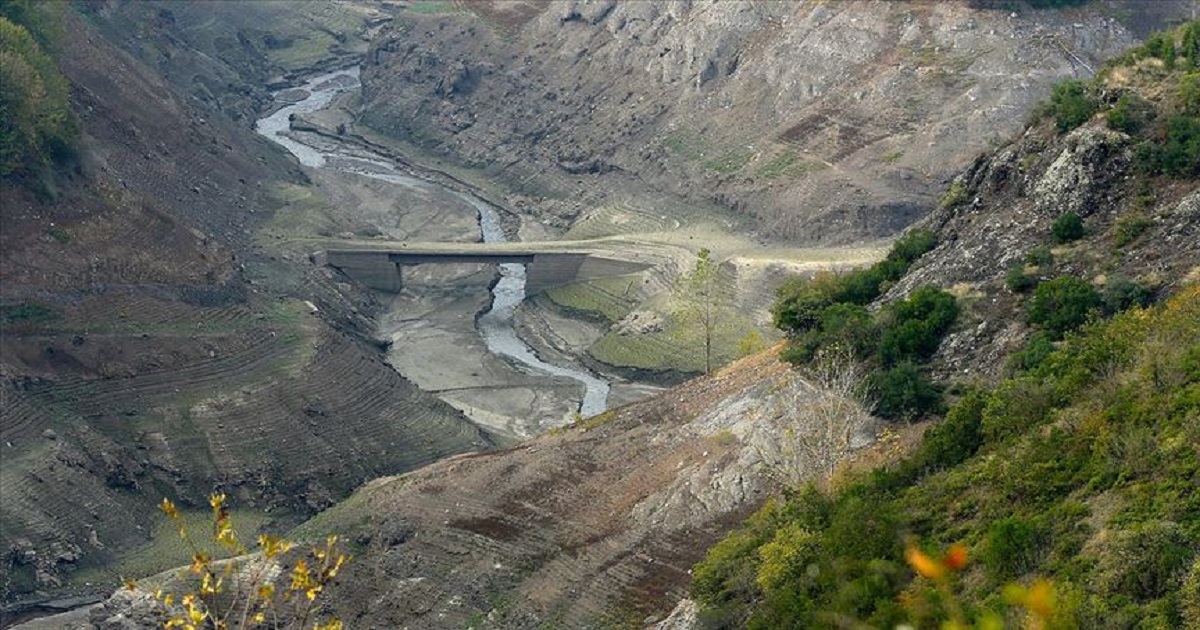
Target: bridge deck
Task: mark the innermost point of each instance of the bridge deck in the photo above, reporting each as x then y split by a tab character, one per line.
549	264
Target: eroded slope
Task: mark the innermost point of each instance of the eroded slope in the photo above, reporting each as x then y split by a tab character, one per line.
825	121
143	357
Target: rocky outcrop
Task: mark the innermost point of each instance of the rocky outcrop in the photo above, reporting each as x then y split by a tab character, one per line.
825	121
1003	207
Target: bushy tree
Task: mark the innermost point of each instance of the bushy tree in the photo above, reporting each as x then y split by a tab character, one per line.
798	306
35	120
904	393
956	438
1123	293
1017	281
917	325
1067	227
1071	105
1063	304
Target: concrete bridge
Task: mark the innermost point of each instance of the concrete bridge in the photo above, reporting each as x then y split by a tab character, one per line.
548	264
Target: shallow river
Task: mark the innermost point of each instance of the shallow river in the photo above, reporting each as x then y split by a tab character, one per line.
496	325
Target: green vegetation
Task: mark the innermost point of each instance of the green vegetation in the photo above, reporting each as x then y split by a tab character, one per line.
1017	281
1062	305
609	299
1067	227
1081	468
430	6
954	195
830	310
702	300
1157	89
778	166
1129	227
26	312
36	125
1071	104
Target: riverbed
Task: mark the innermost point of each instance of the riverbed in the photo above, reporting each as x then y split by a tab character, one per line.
504	384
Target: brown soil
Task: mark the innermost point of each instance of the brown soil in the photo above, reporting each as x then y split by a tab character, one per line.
150	348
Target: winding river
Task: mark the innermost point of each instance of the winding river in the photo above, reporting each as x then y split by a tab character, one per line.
496	325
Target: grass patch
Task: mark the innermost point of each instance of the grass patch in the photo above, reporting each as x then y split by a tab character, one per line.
619	218
686	144
167	551
346	519
299	210
60	235
675	347
26	312
729	161
609	299
778	166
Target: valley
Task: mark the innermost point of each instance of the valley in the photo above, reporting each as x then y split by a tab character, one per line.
182	314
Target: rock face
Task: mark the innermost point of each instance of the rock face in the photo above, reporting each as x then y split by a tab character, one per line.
1006	204
827	121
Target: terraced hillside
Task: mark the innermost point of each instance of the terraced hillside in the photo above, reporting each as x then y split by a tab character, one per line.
151	345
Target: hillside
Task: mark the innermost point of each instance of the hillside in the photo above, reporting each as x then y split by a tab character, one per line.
1069	452
166	334
150	345
824	121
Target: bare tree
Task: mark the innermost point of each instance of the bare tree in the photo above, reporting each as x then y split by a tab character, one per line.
827	417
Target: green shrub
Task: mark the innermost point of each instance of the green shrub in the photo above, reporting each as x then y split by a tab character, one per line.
850	325
1123	293
1067	227
1189	94
954	195
1040	257
957	437
1032	354
1062	304
1129	114
1180	155
1071	105
1130	226
916	326
1011	547
1148	562
798	306
1191	45
1018	404
904	393
861	286
913	245
26	312
36	125
1161	46
1017	281
1189	596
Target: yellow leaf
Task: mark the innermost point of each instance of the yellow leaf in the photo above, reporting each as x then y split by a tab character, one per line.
923	564
1041	599
169	509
